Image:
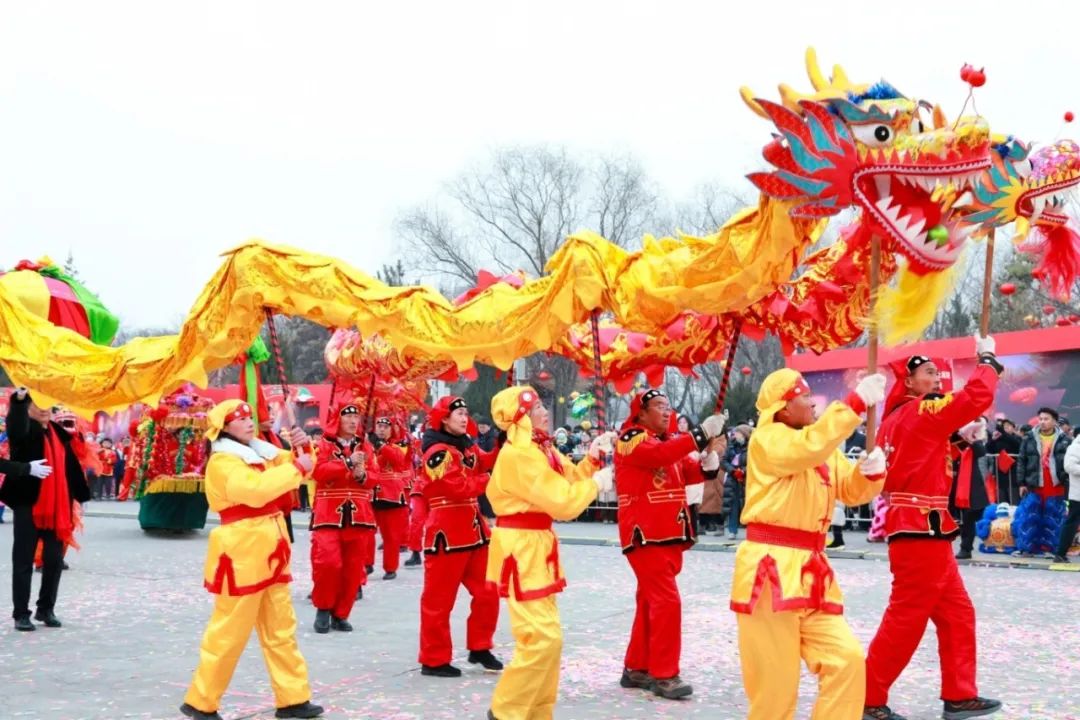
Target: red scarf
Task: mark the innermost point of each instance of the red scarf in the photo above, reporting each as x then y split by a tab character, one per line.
963	481
544	441
52	511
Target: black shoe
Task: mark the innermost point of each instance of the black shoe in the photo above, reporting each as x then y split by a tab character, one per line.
322	622
491	716
446	670
975	707
880	712
485	658
47	619
303	710
64	566
635	679
23	624
389	576
369	569
414	561
963	555
1061	559
340	625
196	714
360	594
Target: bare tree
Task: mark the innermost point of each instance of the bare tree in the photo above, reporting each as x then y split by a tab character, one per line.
624	200
437	246
709	208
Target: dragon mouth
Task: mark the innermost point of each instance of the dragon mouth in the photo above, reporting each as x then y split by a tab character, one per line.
1044	205
906	201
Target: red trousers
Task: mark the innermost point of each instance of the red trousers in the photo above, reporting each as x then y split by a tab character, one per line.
393	526
926	586
368	553
418	512
337	567
444	573
656	637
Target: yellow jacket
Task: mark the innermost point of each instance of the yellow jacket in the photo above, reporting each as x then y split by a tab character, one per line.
524	482
254	482
794	478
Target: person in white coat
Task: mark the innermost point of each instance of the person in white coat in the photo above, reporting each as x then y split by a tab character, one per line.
1072	521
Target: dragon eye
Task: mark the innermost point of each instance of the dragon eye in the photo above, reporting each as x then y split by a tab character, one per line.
873	135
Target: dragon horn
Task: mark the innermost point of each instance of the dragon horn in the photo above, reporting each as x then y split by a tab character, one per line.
813	70
940	121
748	97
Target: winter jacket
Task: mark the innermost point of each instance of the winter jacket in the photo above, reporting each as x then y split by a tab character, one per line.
1072	467
26	440
1030	471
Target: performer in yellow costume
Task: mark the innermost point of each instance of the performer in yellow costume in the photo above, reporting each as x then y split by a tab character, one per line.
532	484
249	483
787	602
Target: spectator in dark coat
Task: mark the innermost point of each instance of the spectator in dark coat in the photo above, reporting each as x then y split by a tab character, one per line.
734	465
1005	438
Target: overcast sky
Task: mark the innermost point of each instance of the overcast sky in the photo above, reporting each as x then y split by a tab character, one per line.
148	137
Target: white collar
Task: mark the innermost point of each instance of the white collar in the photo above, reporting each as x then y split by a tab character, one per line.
257	452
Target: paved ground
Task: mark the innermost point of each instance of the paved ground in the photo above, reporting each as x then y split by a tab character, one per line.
134	610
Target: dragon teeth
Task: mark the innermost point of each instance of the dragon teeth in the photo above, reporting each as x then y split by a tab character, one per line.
882	183
964	200
915	229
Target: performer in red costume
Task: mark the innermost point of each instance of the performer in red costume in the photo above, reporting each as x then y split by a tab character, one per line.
456	537
915	429
654	530
393	455
342	521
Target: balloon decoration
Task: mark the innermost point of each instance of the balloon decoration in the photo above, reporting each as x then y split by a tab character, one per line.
1007	289
49	293
746	370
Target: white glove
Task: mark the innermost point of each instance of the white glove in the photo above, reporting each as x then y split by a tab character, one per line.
985	346
714	425
304	461
976	429
604	478
710	462
871	389
872	464
602	444
40	468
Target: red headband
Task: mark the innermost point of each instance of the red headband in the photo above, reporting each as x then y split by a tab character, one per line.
800	388
526	402
243	410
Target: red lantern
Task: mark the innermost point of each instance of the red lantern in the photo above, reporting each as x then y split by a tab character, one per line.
1068	116
1007	289
1063	322
1074	318
974	78
543	375
746	370
1048	309
1037	274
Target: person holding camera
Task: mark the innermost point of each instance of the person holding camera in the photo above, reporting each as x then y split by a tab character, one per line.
44	478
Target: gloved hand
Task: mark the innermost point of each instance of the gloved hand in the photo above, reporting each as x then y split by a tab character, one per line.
298	438
871	389
40	468
305	462
714	424
710	462
603	443
872	464
985	346
604	479
974	430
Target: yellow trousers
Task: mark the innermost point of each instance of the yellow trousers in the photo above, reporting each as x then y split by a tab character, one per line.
529	685
770	646
270	613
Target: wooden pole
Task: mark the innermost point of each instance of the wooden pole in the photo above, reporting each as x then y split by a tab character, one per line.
598	373
872	328
279	359
988	281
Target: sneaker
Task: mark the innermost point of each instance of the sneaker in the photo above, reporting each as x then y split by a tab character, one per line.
447	671
340	625
322	622
975	707
963	555
369	569
880	712
196	714
389	576
671	688
1061	559
414	560
302	710
485	658
635	679
833	545
732	536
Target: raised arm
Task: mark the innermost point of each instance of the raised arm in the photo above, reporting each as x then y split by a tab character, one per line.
780	451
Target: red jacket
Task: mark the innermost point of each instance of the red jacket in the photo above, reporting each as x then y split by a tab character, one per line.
452	481
340	499
393	479
916	437
650	481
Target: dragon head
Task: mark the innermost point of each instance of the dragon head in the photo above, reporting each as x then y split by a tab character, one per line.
1030	188
868	146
